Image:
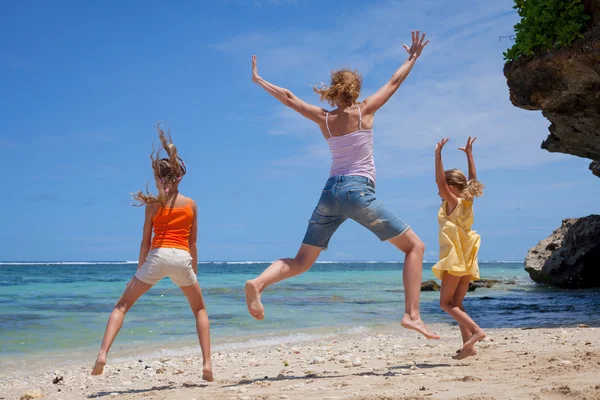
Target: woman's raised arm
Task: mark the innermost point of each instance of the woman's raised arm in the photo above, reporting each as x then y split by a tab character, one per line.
288	98
377	100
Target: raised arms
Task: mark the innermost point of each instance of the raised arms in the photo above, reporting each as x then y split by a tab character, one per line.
468	149
440	178
288	98
377	100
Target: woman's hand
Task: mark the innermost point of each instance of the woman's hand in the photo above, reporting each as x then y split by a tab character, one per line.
414	51
255	76
468	149
440	145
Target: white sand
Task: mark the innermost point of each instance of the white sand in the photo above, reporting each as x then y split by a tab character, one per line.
562	363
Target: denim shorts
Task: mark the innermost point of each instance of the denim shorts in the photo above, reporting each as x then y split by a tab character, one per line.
349	196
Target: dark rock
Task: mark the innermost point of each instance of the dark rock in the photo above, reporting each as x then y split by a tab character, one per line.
430	286
565	85
570	257
595	168
485	283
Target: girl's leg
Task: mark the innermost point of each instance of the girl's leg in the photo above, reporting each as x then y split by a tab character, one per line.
134	290
194	296
413	248
459	295
276	272
449	286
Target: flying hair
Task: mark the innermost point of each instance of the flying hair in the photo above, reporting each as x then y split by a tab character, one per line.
344	88
168	171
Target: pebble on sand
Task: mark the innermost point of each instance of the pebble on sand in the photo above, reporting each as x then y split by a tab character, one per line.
357	362
32	394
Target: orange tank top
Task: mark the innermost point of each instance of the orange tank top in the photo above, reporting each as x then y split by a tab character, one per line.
172	227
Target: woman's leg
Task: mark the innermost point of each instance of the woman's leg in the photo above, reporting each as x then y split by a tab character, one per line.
413	248
134	290
276	272
447	292
194	296
459	295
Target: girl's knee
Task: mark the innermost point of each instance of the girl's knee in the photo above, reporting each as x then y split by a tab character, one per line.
123	306
446	306
458	304
198	310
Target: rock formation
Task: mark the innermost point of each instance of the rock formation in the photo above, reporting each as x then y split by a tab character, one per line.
565	85
570	257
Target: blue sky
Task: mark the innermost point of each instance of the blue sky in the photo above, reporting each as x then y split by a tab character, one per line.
83	84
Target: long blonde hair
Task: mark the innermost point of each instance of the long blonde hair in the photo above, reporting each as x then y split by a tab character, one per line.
168	172
468	189
344	88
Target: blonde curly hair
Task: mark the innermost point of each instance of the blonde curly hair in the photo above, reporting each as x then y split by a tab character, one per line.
468	189
344	88
168	172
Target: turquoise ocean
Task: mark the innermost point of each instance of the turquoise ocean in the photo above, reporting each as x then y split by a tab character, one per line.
60	309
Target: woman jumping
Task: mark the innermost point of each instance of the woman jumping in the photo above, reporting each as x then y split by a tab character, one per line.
350	190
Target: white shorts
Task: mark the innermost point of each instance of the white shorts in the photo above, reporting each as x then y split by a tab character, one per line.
174	263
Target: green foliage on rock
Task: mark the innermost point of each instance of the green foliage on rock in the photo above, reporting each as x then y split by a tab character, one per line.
546	25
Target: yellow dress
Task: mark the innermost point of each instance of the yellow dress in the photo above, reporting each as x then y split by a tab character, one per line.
459	245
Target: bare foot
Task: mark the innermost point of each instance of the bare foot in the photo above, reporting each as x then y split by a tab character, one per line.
207	374
99	365
476	337
465	352
255	307
419	326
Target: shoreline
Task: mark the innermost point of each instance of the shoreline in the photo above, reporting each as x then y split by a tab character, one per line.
385	362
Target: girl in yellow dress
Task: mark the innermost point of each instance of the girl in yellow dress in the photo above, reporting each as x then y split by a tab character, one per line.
459	245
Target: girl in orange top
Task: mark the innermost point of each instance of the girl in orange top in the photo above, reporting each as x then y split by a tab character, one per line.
172	252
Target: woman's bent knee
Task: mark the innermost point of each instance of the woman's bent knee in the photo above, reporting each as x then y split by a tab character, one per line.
303	262
418	246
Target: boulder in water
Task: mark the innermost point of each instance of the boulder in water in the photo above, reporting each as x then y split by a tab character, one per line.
570	257
430	286
484	283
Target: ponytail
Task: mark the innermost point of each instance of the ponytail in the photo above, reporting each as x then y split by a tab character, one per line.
473	189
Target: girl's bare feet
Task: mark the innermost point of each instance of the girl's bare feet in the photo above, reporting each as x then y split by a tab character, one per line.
476	337
419	326
465	352
207	374
255	307
99	365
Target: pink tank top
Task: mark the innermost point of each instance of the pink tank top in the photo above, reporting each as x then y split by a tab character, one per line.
352	154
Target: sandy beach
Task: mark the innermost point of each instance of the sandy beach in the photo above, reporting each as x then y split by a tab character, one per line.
384	363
